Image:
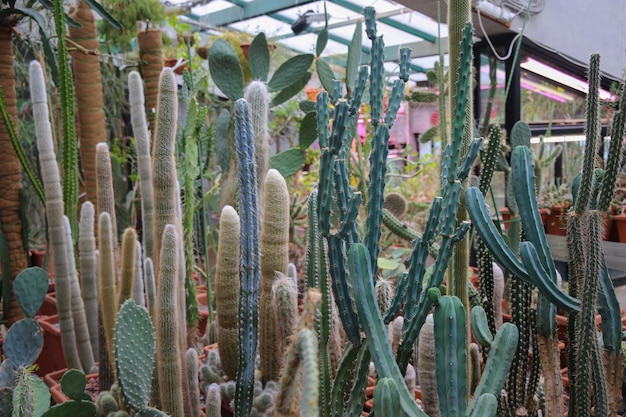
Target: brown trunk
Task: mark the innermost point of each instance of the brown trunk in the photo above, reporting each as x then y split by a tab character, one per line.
10	171
550	364
151	63
89	97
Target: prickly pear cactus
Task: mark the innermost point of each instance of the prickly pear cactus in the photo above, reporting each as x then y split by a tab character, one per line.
134	354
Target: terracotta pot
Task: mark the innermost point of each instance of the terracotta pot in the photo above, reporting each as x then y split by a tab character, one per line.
51	357
619	220
556	221
49	305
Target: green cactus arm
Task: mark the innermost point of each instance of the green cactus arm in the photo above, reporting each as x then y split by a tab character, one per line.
480	327
341	288
359	384
144	160
450	355
592	135
353	357
54	210
486	406
614	160
88	266
362	284
138	287
609	309
489	159
498	364
546	287
522	171
386	398
148	271
134	354
107	291
249	249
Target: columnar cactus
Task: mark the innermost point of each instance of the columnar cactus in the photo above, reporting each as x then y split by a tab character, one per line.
169	366
274	260
105	191
144	161
87	261
227	290
426	367
83	342
249	248
138	287
164	181
107	290
285	312
54	212
258	96
128	267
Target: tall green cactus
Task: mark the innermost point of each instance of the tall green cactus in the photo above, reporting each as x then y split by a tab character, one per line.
248	317
144	161
169	366
54	212
258	96
227	290
105	191
275	250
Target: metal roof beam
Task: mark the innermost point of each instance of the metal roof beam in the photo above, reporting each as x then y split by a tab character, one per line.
246	10
388	21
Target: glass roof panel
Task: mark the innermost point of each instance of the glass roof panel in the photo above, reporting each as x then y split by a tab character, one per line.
270	26
211	7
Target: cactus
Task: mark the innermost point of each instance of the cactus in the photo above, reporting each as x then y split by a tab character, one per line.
144	162
299	395
138	286
148	269
213	407
249	249
285	312
134	354
104	184
426	367
30	396
258	96
73	385
107	292
227	290
54	212
83	344
106	403
191	362
164	181
129	257
88	265
396	204
169	365
386	398
275	250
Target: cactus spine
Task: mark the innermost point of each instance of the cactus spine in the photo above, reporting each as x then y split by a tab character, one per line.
275	258
88	264
169	367
227	290
54	212
144	161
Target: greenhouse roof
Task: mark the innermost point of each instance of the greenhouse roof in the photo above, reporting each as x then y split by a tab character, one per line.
400	26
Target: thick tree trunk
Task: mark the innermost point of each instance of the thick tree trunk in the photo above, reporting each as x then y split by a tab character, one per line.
10	171
89	96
